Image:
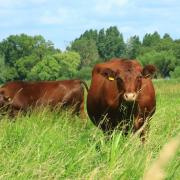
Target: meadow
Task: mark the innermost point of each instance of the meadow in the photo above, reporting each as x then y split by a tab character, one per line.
57	145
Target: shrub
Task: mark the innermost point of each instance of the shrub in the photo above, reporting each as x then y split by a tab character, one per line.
176	73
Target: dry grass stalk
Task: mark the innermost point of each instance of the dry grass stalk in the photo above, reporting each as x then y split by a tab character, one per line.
156	171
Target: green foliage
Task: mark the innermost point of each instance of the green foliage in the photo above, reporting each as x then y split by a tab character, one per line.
2	70
87	50
133	47
165	61
7	73
25	57
22	52
47	69
43	47
177	50
101	43
165	44
84	73
18	46
15	47
114	43
57	145
69	63
25	64
151	39
57	66
110	43
90	35
104	45
10	73
176	72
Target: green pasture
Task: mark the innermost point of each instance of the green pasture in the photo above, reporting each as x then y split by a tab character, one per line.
57	145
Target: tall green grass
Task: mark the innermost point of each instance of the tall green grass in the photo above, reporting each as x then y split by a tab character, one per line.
57	145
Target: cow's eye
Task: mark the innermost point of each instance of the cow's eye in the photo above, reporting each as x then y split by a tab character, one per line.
119	79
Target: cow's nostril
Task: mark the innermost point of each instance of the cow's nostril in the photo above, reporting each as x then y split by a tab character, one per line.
125	96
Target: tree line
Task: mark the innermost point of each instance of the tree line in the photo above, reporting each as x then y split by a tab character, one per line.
24	57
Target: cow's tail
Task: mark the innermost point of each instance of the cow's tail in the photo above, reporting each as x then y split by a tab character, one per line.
85	85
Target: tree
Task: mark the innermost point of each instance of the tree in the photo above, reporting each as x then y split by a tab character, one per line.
41	47
68	63
25	64
87	50
151	39
165	44
114	44
133	47
167	36
175	73
2	70
177	49
84	73
18	46
22	52
101	44
57	66
47	69
7	73
15	47
93	46
90	35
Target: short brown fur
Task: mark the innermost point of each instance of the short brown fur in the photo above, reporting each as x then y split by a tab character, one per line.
20	95
107	97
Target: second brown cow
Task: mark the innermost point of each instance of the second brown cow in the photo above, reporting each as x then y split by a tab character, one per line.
121	94
20	95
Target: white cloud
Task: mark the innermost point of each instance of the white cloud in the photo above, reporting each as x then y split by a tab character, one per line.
56	17
105	7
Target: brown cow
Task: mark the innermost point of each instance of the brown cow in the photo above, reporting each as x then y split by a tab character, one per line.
20	95
121	93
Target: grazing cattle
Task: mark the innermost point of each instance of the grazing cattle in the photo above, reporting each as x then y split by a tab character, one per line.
121	94
19	95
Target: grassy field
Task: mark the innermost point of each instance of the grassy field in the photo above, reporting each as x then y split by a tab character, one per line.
52	145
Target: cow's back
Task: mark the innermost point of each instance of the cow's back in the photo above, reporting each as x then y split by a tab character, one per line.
25	94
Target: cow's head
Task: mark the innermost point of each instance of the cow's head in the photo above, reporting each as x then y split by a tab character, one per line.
129	81
4	100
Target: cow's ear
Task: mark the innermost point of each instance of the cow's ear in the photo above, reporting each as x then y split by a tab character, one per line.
149	71
109	74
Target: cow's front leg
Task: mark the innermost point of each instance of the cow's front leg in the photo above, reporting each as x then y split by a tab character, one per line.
138	124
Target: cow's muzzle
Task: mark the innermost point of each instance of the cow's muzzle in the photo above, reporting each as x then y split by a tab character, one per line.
130	96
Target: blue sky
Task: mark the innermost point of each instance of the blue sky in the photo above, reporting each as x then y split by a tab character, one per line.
61	21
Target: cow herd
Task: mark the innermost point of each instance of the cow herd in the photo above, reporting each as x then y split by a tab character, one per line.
121	95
